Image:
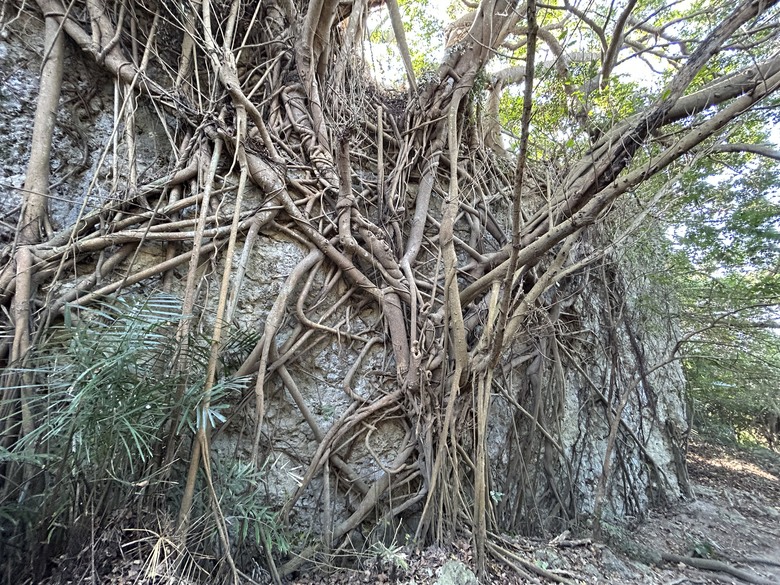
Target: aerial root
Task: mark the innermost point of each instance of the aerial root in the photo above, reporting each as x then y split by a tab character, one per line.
521	565
714	565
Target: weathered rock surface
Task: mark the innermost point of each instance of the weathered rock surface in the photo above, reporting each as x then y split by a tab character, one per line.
597	358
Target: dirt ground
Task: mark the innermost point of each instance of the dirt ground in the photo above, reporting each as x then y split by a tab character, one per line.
733	525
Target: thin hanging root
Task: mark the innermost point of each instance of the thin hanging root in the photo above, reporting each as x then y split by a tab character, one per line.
272	323
316	461
293	347
216	338
353	416
367	504
88	283
183	335
211	369
238	280
481	500
219	518
347	384
350	474
513	560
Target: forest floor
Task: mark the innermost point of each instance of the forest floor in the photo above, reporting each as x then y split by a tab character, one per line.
731	529
733	524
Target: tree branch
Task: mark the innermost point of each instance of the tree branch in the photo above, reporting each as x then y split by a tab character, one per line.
759	149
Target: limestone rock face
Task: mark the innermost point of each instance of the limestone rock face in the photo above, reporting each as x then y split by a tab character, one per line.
83	148
596	366
611	355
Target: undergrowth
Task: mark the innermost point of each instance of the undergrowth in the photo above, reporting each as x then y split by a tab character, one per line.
102	391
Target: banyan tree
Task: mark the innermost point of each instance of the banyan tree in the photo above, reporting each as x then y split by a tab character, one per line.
261	309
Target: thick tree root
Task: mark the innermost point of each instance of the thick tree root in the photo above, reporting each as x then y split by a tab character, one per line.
713	565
